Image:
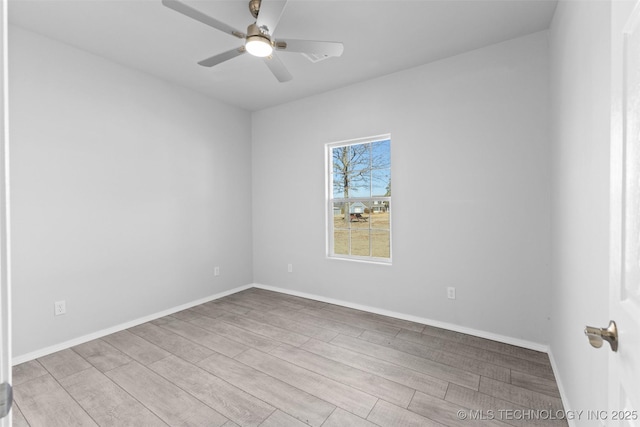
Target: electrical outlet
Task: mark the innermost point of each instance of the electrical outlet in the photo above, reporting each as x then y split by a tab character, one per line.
216	271
451	292
59	308
290	268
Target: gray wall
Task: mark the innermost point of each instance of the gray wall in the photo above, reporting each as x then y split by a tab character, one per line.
580	108
471	190
126	192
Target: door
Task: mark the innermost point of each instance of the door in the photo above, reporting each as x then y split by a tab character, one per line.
624	298
5	302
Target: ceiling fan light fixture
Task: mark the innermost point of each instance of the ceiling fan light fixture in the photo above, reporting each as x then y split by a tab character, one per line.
258	46
258	39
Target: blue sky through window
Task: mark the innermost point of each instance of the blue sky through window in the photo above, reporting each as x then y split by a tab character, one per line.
362	170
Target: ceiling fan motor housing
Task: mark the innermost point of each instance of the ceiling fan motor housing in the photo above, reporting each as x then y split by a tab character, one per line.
253	32
258	42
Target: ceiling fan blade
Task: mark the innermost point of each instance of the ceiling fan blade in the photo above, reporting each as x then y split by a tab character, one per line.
277	68
270	13
199	16
221	57
311	46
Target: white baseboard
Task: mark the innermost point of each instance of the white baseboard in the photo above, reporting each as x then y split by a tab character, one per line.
438	324
563	395
99	334
450	326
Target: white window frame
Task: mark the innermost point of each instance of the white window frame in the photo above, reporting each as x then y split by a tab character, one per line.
329	200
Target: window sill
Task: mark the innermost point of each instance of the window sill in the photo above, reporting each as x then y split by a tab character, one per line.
361	260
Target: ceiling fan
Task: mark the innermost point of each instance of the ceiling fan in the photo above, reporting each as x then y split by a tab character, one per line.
259	39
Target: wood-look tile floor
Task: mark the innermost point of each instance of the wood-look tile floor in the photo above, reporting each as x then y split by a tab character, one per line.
261	358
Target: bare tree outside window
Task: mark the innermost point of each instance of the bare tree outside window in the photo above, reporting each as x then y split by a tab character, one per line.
360	188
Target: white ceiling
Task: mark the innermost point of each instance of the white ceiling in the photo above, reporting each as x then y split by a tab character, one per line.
380	37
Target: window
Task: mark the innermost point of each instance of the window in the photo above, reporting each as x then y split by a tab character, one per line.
359	199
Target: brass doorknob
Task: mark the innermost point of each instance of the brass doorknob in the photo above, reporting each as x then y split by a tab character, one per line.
598	335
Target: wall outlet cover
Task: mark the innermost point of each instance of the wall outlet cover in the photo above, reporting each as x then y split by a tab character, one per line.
451	292
59	308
